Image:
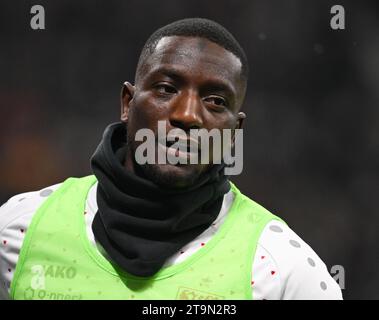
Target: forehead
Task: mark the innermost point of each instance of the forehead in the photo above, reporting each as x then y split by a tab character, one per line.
197	55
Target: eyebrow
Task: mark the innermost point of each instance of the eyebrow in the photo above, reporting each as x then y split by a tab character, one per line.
169	72
212	85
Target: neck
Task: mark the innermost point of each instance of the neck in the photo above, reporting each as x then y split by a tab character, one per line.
129	164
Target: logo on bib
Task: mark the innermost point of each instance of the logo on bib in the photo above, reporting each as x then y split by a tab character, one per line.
193	294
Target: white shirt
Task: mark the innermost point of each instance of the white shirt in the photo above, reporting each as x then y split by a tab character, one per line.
284	266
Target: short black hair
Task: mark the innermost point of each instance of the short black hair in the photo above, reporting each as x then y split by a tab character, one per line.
197	27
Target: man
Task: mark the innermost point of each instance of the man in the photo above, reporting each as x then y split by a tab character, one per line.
160	230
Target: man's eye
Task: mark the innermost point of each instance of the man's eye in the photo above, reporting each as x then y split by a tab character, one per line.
218	101
165	88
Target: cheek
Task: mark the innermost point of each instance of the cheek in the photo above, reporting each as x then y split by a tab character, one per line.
146	111
227	123
221	121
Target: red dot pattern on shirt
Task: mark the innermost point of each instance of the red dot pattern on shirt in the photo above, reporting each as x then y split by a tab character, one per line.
271	272
181	252
5	242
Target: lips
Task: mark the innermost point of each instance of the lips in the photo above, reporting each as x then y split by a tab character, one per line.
182	149
184	143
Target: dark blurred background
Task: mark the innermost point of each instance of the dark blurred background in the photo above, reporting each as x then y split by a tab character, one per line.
312	132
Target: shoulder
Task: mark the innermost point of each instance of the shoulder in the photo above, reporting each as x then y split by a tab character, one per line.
253	210
15	217
302	274
298	271
23	203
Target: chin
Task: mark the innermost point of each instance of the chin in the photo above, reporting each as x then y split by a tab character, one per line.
172	176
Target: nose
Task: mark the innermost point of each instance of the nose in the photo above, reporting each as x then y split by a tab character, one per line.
187	112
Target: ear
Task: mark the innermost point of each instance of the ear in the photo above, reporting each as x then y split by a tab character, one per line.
127	94
240	118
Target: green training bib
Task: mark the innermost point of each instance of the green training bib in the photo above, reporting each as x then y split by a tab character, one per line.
57	260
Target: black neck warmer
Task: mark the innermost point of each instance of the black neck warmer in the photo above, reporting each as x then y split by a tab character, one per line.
140	224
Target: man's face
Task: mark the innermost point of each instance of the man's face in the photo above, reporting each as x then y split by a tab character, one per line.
190	83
